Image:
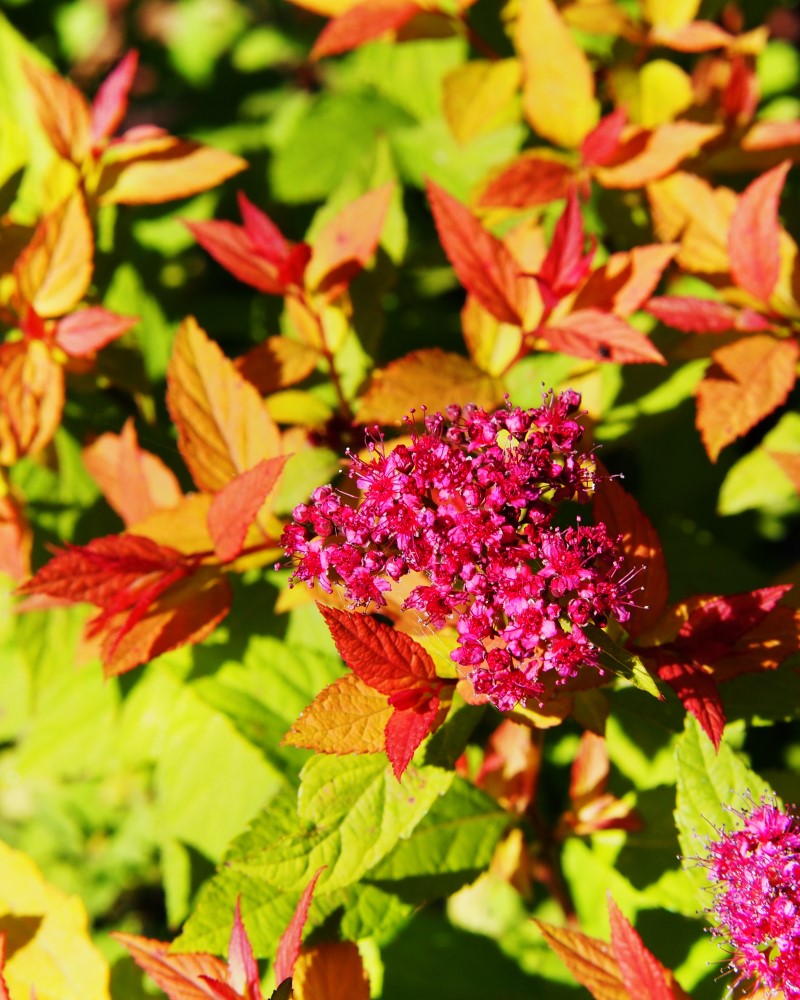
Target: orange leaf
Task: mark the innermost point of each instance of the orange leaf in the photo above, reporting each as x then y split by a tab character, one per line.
237	504
346	243
484	266
754	236
276	363
626	280
62	111
348	716
643	975
530	180
291	939
31	399
134	482
641	549
55	268
687	207
223	426
87	330
362	23
590	961
749	379
332	970
558	83
789	462
151	170
429	377
600	336
15	539
648	155
184	615
179	976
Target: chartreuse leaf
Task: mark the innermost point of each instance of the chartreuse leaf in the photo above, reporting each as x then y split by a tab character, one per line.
621	661
352	812
755	482
449	847
707	782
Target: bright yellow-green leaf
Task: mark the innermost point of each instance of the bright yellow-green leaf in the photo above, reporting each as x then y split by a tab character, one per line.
654	95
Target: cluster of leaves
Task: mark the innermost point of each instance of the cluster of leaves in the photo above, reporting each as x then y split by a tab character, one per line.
440	202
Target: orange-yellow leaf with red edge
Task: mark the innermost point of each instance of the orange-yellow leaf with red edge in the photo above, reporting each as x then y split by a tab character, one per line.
600	336
591	962
748	380
430	377
237	504
346	243
332	969
31	399
154	169
223	425
754	236
642	973
649	154
623	283
347	716
363	22
686	207
179	976
135	482
277	363
183	527
558	94
62	110
642	554
54	270
484	265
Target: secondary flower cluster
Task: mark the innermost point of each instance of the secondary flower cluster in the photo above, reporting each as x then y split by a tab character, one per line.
470	503
756	876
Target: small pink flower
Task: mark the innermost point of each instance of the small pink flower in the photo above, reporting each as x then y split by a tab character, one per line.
470	504
755	872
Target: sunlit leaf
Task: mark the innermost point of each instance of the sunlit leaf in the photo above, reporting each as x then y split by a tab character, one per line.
480	96
600	336
333	970
346	717
87	330
754	237
291	939
237	504
642	973
181	977
362	23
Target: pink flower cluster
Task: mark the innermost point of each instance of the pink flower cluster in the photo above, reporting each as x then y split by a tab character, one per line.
756	882
470	503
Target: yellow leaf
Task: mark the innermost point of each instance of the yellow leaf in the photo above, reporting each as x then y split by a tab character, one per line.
224	427
558	89
492	345
686	208
654	95
480	96
670	13
49	949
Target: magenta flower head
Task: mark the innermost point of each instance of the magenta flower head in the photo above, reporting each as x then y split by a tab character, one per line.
755	875
470	504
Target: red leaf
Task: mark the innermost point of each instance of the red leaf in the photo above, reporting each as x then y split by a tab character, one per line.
242	968
233	248
529	181
682	312
754	236
484	266
566	265
406	730
387	660
642	974
111	100
267	238
15	539
601	336
591	962
134	482
237	504
4	994
719	622
179	976
697	691
362	23
292	937
624	282
601	144
87	330
346	243
642	552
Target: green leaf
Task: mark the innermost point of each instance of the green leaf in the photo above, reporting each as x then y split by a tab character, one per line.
457	839
352	812
706	782
621	661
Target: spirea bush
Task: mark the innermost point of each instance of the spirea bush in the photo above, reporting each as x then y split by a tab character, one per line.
399	493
